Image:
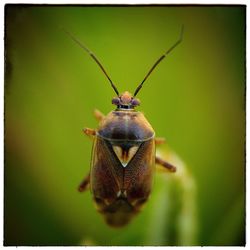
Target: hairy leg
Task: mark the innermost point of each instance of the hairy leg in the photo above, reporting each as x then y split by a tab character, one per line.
165	164
84	184
89	132
159	140
99	115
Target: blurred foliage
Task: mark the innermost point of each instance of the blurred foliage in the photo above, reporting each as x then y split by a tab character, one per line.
195	98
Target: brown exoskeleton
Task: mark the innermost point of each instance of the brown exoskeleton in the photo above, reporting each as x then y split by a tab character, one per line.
123	155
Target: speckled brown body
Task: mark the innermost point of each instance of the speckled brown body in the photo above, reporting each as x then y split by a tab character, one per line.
122	167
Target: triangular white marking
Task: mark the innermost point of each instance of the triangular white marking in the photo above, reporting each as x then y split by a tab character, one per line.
124	164
122	156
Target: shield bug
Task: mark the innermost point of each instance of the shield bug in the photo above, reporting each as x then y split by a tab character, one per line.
123	155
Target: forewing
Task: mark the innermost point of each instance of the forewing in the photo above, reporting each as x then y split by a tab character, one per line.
139	172
106	172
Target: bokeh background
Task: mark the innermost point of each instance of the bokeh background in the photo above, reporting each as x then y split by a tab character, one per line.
195	99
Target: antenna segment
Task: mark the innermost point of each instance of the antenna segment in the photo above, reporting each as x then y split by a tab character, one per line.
94	57
159	60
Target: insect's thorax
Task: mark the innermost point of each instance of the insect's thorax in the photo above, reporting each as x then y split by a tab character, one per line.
125	125
125	131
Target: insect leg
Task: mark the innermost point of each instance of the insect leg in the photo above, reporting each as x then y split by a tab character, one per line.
99	115
89	132
159	140
84	184
165	164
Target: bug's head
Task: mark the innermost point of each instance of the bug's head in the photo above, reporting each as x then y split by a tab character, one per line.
125	101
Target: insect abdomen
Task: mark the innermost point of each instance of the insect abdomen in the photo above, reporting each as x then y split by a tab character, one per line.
119	213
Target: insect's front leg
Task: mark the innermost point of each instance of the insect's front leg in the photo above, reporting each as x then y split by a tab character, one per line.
165	164
89	132
84	184
99	115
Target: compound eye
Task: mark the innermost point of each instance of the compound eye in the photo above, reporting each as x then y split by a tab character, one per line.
116	101
135	102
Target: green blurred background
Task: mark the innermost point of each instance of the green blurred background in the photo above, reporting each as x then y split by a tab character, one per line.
195	99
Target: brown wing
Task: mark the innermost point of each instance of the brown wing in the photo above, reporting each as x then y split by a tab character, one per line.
106	176
138	176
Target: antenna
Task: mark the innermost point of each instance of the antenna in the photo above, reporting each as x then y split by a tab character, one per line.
94	57
159	60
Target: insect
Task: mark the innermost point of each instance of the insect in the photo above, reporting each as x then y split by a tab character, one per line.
123	154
